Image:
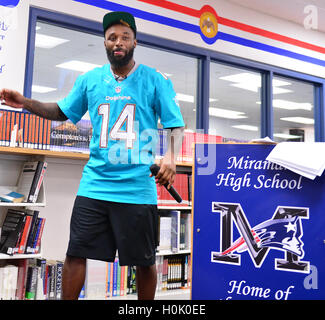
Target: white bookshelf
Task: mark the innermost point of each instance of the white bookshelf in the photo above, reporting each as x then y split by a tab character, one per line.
10	168
174	208
19	256
169	252
41	201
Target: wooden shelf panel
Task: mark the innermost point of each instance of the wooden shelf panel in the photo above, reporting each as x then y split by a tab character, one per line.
46	153
58	154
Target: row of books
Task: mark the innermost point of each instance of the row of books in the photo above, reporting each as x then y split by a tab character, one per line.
31	279
173	272
21	129
186	154
108	279
29	183
182	185
21	232
120	279
175	231
30	131
24	130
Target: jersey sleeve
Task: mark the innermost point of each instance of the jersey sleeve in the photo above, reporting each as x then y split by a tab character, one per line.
167	106
75	104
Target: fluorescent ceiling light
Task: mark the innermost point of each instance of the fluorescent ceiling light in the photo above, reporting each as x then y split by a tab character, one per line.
302	120
285	136
246	127
277	90
252	82
279	83
184	97
290	105
76	65
246	86
224	113
48	42
243	78
42	89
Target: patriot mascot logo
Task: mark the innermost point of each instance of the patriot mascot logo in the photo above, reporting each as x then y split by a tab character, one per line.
282	232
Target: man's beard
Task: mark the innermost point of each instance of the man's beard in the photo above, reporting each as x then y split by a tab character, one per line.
119	61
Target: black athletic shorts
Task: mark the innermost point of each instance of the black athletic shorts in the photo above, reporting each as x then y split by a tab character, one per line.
98	228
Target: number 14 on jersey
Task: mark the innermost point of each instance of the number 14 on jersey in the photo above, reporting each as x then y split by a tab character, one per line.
117	132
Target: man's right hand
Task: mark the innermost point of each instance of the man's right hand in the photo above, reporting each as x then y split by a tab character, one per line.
12	98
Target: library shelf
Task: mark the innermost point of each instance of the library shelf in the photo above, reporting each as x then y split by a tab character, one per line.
171	253
19	256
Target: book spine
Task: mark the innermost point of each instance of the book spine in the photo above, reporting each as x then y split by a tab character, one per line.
35	236
122	281
31	284
40	133
36	146
58	282
39	237
115	270
39	182
37	173
22	244
32	231
15	248
51	281
21	279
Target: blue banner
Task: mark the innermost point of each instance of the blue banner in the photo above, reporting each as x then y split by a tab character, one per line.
258	228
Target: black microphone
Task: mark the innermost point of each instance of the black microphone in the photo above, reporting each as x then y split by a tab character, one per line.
154	170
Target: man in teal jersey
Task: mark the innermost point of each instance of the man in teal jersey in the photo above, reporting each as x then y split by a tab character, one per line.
115	207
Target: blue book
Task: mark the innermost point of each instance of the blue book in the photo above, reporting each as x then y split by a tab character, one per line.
12	196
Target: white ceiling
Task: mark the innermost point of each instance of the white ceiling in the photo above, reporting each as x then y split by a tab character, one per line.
291	10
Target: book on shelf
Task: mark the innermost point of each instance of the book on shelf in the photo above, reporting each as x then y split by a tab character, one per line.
8	281
11	230
186	153
66	136
31	282
30	179
95	282
175	229
44	279
185	231
181	186
11	196
165	227
31	279
172	272
21	232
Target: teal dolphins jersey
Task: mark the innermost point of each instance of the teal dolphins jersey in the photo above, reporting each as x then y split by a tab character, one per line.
124	117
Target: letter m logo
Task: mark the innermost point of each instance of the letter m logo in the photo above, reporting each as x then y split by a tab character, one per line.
282	232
